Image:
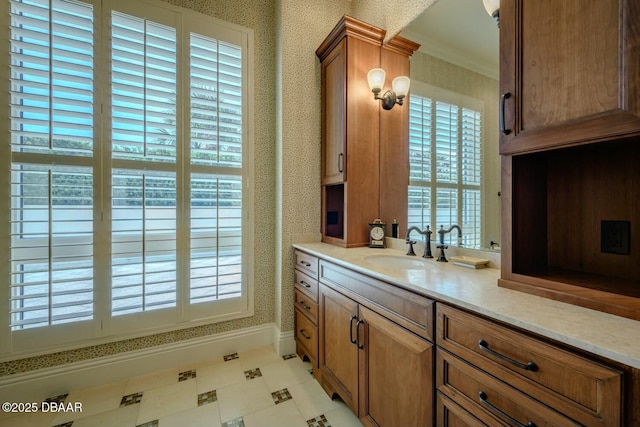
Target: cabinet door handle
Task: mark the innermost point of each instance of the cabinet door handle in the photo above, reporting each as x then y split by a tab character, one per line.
304	334
503	126
360	322
306	307
305	263
529	366
354	317
484	400
340	162
305	284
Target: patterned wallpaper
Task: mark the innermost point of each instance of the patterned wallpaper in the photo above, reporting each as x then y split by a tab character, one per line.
287	150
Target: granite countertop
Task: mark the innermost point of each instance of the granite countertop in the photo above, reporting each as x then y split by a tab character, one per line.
613	337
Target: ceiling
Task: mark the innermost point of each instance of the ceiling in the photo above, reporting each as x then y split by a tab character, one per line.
458	31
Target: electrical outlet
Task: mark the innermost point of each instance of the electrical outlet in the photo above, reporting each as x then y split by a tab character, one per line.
615	237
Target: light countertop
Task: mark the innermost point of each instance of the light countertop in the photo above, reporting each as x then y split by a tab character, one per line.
613	337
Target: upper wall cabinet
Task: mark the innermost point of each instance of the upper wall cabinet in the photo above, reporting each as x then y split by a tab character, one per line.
349	124
569	72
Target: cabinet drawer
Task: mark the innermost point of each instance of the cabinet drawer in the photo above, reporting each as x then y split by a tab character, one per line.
306	305
307	334
411	311
307	263
481	394
450	414
584	390
307	283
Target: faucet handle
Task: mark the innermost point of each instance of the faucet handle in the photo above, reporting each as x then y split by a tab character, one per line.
441	256
411	243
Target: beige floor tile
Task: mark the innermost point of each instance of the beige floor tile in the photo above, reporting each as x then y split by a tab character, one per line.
284	374
151	381
94	400
259	357
243	398
342	417
311	399
203	416
219	375
121	417
38	419
285	414
163	401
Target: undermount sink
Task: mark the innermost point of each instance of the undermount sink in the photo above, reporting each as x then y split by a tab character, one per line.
396	261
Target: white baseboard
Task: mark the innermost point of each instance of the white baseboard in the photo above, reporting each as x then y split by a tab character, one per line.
284	342
47	382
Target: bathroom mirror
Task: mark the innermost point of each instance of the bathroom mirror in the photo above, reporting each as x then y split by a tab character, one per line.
459	53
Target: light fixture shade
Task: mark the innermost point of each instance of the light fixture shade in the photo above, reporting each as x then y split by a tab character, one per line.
400	86
376	78
492	7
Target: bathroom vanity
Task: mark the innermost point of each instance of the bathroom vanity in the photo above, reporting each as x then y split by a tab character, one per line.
452	348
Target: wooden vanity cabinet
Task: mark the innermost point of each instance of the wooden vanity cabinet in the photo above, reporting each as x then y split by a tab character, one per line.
306	308
374	349
494	372
569	72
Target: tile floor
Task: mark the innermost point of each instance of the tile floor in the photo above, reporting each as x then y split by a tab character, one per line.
255	388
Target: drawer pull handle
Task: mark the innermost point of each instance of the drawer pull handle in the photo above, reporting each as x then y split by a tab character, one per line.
529	366
303	283
354	317
306	307
360	322
305	263
484	400
304	334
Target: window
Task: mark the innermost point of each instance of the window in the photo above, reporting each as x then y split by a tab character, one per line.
445	137
129	179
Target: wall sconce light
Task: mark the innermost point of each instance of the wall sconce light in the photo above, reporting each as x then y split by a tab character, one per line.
493	9
399	88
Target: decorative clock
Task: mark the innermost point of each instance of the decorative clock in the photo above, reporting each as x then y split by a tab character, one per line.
376	234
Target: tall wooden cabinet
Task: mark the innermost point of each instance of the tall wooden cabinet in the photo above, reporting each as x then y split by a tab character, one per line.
570	118
568	72
352	122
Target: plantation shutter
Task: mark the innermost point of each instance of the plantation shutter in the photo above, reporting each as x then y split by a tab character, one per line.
144	186
471	153
129	190
52	136
216	201
420	127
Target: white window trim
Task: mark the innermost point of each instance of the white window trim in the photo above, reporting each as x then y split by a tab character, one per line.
103	329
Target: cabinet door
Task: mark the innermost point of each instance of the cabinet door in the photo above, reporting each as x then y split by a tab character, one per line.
334	110
338	356
396	382
569	72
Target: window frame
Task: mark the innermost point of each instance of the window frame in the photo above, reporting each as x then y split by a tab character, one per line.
104	327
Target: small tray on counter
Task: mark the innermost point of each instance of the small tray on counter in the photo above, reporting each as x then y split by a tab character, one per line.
469	261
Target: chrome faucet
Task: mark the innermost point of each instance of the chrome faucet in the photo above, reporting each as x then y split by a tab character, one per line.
427	245
442	246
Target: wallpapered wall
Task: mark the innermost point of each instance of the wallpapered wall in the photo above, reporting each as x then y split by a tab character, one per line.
287	150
